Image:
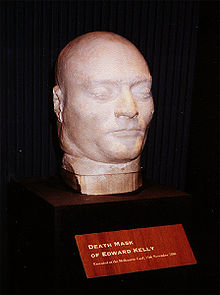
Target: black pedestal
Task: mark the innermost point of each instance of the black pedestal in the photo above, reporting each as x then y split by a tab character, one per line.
45	215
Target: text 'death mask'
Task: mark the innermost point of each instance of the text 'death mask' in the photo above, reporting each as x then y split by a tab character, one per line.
104	107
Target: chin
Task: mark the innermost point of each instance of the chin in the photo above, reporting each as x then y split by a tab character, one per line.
122	156
120	152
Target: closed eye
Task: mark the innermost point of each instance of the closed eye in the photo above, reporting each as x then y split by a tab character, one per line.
99	91
142	93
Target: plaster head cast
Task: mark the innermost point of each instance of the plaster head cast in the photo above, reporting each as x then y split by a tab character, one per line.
104	107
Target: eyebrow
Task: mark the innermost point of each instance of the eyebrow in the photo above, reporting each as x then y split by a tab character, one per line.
135	80
143	80
139	79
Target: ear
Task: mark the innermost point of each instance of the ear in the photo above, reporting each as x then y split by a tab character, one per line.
58	103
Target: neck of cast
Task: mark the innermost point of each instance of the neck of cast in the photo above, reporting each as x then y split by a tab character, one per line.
97	178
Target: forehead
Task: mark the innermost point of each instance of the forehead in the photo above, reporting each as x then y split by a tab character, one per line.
108	61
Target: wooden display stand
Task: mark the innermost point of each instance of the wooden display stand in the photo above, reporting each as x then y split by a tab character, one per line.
45	215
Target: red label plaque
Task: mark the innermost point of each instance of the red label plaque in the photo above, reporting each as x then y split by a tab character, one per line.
124	251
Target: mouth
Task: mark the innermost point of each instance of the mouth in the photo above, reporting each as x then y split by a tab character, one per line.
128	133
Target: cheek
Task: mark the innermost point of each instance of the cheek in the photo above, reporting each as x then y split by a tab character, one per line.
91	117
146	110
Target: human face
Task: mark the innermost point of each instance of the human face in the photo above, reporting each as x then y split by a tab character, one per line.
109	107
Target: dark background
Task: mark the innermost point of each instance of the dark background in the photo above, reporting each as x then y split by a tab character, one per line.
179	39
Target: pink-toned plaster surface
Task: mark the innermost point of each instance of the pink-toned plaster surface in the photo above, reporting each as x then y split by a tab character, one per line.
104	107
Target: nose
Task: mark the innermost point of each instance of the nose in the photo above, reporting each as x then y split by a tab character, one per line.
126	106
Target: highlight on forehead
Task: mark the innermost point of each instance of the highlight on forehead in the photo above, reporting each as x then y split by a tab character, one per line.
86	45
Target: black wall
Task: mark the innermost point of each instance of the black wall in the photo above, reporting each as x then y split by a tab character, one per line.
203	161
166	32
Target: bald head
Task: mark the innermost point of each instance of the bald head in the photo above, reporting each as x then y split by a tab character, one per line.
104	107
92	51
102	101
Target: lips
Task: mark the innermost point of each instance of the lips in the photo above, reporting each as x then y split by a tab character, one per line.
128	132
